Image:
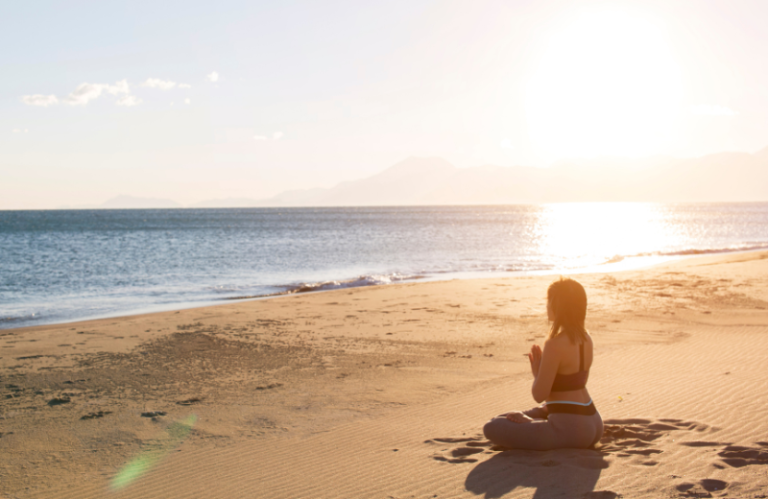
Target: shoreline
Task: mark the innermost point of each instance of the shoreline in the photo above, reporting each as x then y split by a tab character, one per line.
623	264
618	266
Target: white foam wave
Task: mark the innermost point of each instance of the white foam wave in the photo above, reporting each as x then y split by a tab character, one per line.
364	280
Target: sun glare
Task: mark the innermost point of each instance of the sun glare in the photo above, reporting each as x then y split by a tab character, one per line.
592	233
606	84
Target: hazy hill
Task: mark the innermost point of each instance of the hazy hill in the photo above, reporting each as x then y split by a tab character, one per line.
405	183
132	202
226	203
434	181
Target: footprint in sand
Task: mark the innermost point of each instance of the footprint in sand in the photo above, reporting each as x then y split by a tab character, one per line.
471	446
737	456
190	401
703	444
601	494
95	415
634	437
703	488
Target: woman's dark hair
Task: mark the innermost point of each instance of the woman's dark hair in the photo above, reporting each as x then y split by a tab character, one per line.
569	307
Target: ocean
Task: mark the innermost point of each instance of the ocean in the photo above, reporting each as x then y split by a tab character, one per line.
65	265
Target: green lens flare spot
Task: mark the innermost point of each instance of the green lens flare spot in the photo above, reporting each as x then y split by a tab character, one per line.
173	436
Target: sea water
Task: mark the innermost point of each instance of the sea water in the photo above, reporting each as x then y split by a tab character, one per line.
58	266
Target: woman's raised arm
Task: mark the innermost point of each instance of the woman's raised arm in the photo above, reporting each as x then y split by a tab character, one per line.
544	364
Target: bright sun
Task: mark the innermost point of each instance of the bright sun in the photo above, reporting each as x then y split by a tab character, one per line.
606	84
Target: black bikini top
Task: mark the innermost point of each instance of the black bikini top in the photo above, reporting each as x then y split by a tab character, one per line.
575	381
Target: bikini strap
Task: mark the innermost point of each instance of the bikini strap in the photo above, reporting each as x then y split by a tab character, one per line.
581	357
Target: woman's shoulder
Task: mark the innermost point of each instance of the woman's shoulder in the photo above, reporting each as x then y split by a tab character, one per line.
559	343
563	341
588	338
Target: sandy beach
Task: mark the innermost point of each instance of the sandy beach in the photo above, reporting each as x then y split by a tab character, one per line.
382	392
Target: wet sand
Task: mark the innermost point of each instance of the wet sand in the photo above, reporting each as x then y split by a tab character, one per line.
383	391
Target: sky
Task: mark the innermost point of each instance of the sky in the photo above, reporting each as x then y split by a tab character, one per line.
207	100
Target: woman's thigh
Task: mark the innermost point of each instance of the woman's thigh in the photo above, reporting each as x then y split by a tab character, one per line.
577	431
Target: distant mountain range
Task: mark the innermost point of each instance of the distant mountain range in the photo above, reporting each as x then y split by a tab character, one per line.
138	202
434	181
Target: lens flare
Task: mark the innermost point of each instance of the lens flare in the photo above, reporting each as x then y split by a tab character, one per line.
138	466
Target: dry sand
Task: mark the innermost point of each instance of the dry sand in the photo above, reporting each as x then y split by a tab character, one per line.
382	392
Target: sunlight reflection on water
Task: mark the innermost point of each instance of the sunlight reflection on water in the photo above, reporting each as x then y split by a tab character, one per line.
587	233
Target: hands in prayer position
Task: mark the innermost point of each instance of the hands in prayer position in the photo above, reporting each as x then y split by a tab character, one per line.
535	358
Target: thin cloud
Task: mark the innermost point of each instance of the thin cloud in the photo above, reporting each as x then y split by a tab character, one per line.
39	100
83	94
213	77
713	110
158	83
128	101
19	130
121	87
187	101
86	92
274	136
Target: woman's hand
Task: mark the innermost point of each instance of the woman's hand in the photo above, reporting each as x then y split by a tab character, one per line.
517	417
535	358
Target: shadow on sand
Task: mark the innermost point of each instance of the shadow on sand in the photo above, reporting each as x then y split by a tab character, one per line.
569	473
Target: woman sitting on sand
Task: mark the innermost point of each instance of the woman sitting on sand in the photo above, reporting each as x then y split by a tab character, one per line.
567	418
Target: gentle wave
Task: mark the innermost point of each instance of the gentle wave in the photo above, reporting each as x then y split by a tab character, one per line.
308	287
19	318
731	249
690	252
382	279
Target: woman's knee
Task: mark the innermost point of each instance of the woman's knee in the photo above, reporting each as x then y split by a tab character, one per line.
492	428
599	428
